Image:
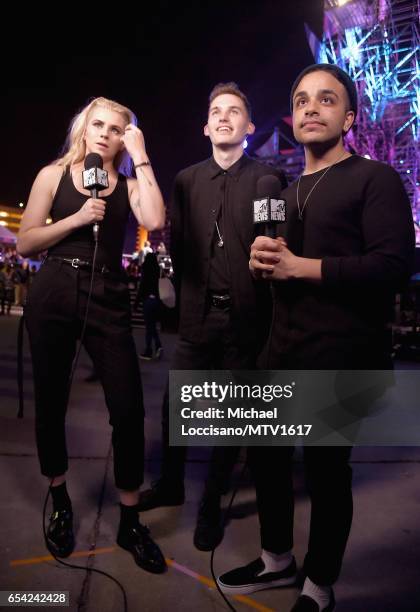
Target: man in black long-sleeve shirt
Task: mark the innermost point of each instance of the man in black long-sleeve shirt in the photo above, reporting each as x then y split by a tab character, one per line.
223	311
348	249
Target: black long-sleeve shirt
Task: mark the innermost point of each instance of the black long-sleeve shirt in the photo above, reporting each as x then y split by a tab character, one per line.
198	196
358	221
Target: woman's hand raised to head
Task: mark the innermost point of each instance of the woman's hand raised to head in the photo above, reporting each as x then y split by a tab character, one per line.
133	140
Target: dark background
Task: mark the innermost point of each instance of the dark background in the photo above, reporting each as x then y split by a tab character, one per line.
161	59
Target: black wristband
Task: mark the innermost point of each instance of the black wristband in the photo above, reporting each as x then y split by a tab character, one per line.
145	163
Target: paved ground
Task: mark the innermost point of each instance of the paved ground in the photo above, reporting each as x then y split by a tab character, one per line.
381	569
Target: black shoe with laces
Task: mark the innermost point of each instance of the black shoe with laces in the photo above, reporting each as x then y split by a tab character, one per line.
160	494
307	604
248	579
60	537
209	530
146	552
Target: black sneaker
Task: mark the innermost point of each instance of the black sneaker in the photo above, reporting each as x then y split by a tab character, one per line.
145	551
160	495
146	356
307	604
209	530
60	537
159	352
248	579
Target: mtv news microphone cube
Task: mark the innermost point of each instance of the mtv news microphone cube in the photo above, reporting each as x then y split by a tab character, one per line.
95	178
269	210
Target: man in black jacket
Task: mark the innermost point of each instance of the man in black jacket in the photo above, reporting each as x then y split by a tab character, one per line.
220	327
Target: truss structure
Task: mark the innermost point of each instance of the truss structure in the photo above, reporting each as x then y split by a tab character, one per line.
377	43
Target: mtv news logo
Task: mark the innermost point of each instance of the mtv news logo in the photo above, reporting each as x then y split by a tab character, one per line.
95	177
269	210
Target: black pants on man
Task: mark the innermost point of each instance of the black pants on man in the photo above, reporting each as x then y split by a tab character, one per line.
218	351
328	476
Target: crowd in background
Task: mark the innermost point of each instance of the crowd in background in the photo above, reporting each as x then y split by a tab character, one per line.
16	274
134	265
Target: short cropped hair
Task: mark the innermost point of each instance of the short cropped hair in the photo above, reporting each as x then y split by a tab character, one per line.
229	88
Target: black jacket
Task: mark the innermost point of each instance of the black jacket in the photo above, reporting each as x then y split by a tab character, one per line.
195	207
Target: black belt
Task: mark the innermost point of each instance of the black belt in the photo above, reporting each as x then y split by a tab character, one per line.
221	301
79	263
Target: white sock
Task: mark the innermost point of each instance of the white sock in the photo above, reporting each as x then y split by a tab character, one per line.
275	563
320	594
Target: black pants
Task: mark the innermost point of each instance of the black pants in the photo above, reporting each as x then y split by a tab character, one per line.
54	315
218	351
328	477
151	310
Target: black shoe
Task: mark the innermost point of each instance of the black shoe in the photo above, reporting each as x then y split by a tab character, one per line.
160	495
146	356
146	553
60	537
209	530
307	604
247	579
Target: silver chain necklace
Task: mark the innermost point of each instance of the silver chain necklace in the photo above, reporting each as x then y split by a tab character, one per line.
300	210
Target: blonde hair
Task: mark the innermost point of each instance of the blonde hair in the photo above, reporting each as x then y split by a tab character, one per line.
74	149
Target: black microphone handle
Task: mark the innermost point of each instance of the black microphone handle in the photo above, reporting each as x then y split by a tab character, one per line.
94	195
270	230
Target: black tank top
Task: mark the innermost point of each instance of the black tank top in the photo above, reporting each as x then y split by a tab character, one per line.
80	243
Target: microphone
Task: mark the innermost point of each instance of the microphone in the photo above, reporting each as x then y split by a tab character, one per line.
95	179
268	207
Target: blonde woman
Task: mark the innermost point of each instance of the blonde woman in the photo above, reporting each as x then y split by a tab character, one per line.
57	302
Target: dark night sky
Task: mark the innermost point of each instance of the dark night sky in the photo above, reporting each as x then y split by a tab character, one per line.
161	60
